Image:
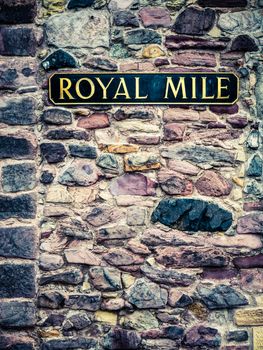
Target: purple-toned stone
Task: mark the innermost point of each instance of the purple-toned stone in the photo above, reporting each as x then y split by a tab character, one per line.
237	121
175	42
155	17
17	41
253	206
18	11
202	337
247	262
250	223
224	109
219	274
133	184
244	43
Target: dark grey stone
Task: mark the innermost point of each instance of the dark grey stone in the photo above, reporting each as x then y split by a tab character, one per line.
16	147
77	322
54	320
17	281
108	162
143	115
70	343
119	338
17	314
192	215
59	59
80	3
18	242
244	43
142	36
223	3
255	166
51	300
18	177
221	297
46	177
89	302
53	152
65	134
23	206
194	21
80	151
57	116
238	336
18	111
125	18
15	12
71	276
17	41
184	301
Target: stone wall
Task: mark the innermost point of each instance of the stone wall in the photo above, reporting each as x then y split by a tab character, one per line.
130	227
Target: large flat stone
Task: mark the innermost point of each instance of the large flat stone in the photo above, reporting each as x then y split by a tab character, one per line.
17	314
17	41
238	22
23	206
84	28
18	11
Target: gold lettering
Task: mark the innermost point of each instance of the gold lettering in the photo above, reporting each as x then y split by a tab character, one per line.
64	89
193	87
137	89
204	90
104	88
221	87
92	88
181	84
125	92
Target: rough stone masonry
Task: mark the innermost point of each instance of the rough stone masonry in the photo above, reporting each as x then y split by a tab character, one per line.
130	227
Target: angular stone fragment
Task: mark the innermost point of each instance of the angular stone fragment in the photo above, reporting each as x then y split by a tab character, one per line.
17	41
237	336
94	121
122	339
136	216
17	314
202	337
174	132
116	232
237	121
105	278
255	167
125	18
250	223
84	28
18	111
120	256
80	3
142	36
109	163
233	109
69	276
76	229
221	297
247	262
100	63
18	242
153	51
240	21
141	161
193	21
194	59
133	184
191	257
83	151
224	3
23	206
155	17
101	215
175	42
174	183
77	322
135	114
49	262
140	320
53	152
17	147
192	215
249	317
66	134
15	12
213	184
81	256
57	116
167	276
89	302
16	342
69	344
59	59
244	43
144	294
18	177
51	300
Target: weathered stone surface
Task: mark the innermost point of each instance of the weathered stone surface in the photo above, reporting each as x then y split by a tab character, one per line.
225	3
119	4
17	314
244	43
66	134
194	59
46	177
237	121
106	317
105	278
250	223
247	262
19	41
53	152
18	111
120	256
142	36
194	21
121	149
80	3
213	184
101	215
141	161
70	276
125	18
116	232
191	257
84	28
221	297
23	206
140	320
18	177
135	114
175	42
94	121
202	337
51	300
192	215
49	262
160	344
200	155
183	167
80	173
77	322
81	256
144	294
16	342
101	64
167	276
14	12
153	51
155	17
89	302
174	132
240	21
174	183
109	163
57	116
237	336
17	281
59	59
122	339
133	184
249	317
136	216
17	147
252	206
70	343
19	242
83	151
255	167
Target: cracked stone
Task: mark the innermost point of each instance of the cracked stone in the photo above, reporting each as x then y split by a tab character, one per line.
59	59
